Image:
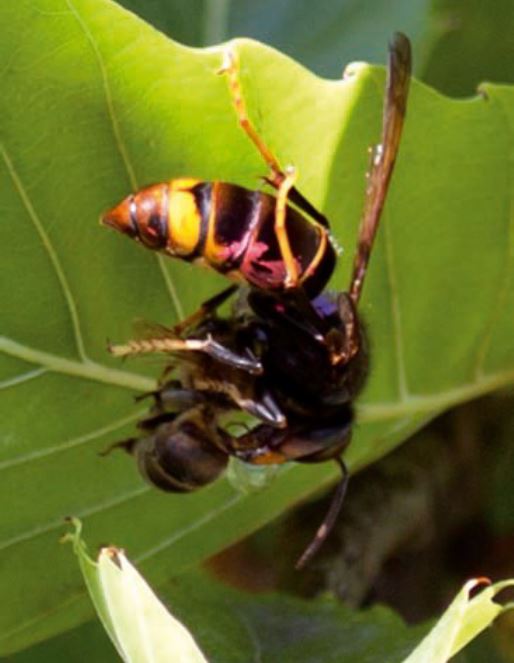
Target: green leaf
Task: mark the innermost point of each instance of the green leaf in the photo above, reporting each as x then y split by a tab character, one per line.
96	103
138	624
87	642
234	627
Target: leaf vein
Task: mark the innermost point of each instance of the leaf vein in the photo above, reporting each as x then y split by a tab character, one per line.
120	143
403	388
49	248
22	377
171	288
507	272
84	513
253	636
420	403
108	96
70	444
6	636
191	527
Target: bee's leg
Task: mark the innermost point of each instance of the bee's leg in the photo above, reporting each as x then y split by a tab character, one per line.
206	309
171	341
265	408
164	344
170	398
162	384
150	423
303	441
174	395
246	362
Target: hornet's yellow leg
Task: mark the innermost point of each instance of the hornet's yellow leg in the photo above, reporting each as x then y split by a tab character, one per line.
282	181
230	66
281	230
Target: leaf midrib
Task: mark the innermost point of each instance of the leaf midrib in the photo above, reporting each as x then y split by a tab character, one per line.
507	272
121	145
87	368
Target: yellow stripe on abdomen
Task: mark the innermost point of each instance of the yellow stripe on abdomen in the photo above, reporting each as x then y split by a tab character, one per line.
184	218
214	252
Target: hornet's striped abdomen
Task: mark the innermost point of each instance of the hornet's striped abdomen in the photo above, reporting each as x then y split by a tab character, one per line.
228	228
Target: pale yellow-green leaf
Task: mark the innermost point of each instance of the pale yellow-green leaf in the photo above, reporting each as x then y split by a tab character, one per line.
464	619
138	624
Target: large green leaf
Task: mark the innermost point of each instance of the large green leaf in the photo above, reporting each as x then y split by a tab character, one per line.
95	103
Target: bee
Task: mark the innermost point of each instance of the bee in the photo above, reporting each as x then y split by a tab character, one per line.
293	359
260	360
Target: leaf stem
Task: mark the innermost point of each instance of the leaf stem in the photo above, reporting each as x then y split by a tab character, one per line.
86	369
424	403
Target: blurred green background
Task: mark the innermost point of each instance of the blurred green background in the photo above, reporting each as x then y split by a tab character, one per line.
457	44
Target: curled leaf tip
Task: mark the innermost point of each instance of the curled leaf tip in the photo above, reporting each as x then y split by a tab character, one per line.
72	537
473	583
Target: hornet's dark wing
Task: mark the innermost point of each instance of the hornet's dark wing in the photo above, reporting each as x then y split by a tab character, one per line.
384	156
